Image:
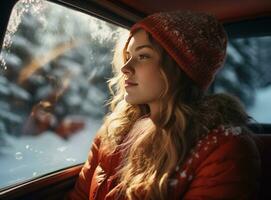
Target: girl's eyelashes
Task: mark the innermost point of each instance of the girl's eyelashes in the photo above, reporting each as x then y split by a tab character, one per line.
139	57
143	56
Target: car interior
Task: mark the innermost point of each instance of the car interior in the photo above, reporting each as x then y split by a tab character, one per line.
241	18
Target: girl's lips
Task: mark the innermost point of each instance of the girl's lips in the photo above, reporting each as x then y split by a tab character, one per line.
129	84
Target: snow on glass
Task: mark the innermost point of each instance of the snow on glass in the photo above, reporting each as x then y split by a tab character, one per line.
24	6
18	156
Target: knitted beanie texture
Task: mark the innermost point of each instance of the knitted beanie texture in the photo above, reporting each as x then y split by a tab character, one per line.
195	40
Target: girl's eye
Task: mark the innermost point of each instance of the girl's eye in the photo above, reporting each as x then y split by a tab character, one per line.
143	56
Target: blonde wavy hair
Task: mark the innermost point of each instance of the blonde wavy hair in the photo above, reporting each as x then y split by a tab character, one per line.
153	150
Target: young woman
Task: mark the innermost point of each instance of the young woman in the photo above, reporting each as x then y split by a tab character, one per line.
165	138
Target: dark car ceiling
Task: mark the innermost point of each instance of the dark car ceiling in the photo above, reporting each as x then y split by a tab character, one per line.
240	17
225	10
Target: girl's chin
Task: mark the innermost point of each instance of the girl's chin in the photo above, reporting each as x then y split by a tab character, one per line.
131	100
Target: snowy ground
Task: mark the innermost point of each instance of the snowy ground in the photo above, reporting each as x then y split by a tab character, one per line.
29	157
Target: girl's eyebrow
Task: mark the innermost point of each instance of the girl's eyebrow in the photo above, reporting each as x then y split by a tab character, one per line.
141	47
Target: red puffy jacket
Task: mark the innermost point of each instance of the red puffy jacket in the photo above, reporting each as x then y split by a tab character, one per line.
223	165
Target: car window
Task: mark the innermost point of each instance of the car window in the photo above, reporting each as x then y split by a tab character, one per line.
54	66
247	75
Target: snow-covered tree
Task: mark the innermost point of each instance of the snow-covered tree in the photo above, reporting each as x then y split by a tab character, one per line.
244	70
56	67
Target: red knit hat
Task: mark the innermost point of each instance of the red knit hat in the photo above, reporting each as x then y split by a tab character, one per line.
196	41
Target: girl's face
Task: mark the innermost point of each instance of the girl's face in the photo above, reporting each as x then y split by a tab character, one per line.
143	81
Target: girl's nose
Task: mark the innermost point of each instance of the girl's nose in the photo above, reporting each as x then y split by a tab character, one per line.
127	68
